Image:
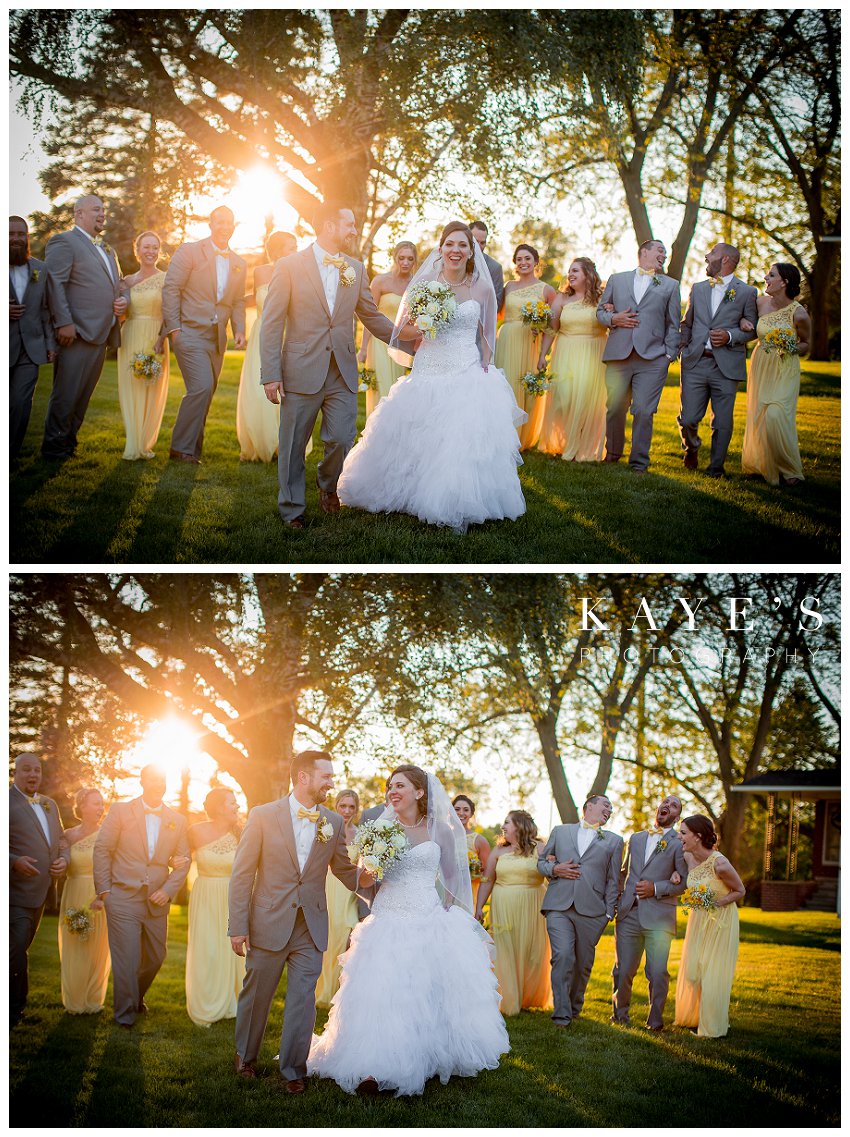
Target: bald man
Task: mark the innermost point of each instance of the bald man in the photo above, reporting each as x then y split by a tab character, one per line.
37	853
86	304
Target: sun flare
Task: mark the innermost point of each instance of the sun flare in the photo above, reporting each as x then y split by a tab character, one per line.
172	743
257	200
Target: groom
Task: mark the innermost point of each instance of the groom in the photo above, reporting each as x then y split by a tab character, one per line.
313	298
278	912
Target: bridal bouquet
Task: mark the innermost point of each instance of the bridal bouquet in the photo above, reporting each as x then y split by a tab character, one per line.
432	306
78	921
535	315
698	896
536	382
780	340
146	366
378	844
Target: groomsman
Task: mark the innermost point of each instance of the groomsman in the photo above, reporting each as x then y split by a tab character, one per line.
642	342
646	916
204	289
86	305
132	876
714	355
31	339
497	275
38	852
580	899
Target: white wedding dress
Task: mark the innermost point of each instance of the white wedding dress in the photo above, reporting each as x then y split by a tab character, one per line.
418	995
443	444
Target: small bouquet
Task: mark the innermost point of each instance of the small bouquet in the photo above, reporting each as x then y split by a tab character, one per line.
536	382
147	366
535	315
368	380
474	864
432	306
699	897
378	844
780	340
78	921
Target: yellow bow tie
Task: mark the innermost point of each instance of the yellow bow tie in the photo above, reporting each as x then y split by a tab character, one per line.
646	272
655	831
156	812
587	825
225	254
717	281
311	814
337	262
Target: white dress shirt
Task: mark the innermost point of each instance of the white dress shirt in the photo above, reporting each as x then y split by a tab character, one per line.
584	838
303	828
328	273
20	276
717	295
107	260
642	282
222	271
652	844
153	821
39	811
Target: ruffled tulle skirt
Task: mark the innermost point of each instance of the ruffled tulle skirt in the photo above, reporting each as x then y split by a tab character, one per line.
418	999
441	446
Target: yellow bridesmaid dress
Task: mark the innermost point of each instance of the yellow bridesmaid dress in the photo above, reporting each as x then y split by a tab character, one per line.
342	917
517	350
378	357
84	964
770	436
214	973
709	955
471	838
257	420
142	403
519	933
574	415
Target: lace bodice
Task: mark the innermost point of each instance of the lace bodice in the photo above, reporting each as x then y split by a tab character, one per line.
216	858
579	319
515	299
410	886
706	874
782	318
455	347
82	853
146	298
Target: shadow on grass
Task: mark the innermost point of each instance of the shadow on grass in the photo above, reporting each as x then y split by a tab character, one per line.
756	932
66	1051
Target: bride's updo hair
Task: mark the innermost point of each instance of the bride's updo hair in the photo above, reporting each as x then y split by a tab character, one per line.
419	779
701	827
459	227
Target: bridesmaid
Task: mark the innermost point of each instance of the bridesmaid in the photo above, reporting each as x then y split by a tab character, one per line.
142	403
387	289
477	843
710	950
258	420
342	907
214	973
517	346
84	964
516	925
770	437
574	415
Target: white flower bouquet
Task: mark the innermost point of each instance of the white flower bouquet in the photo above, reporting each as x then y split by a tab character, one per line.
78	921
147	366
368	380
432	306
535	315
536	382
378	844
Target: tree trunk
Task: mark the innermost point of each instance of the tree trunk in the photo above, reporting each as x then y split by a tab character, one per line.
630	176
547	733
820	283
731	824
682	243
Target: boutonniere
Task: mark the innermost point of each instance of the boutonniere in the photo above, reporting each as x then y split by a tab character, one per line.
729	294
324	831
662	845
655	281
34	275
171	825
101	244
347	276
600	834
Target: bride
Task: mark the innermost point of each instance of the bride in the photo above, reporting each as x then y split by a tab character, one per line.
417	996
443	444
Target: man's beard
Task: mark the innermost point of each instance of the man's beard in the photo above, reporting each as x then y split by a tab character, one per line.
18	254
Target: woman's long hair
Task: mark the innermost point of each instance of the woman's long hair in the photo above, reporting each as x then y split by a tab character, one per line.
593	291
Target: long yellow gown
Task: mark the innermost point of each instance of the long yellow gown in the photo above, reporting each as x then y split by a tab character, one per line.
142	403
257	420
770	436
517	349
471	838
378	357
342	917
214	973
574	414
519	933
709	955
84	964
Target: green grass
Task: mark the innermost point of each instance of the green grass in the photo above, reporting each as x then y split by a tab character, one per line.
96	508
778	1067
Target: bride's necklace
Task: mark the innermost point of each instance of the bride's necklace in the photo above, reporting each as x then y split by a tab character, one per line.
415	825
453	284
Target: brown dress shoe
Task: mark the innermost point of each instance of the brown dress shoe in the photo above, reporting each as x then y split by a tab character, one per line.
296	1086
328	501
608	458
295	523
245	1069
179	456
690	459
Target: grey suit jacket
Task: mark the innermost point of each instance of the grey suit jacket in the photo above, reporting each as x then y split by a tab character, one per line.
658	911
296	307
595	892
659	311
699	321
26	839
33	332
121	861
190	289
497	275
267	886
83	289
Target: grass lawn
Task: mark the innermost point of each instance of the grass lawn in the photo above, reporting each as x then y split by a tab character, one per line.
97	508
778	1067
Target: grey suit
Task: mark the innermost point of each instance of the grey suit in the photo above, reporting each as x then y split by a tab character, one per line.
123	868
637	359
283	911
647	925
713	372
497	275
30	339
317	366
27	894
190	306
83	291
577	911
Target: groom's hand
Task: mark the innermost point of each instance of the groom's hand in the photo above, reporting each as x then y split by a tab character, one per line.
645	889
626	319
274	394
567	870
238	942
